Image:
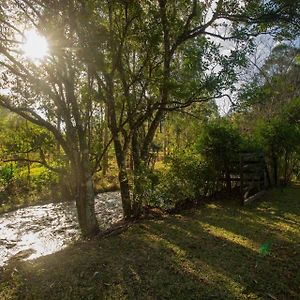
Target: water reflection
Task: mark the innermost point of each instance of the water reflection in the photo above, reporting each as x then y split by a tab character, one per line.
40	230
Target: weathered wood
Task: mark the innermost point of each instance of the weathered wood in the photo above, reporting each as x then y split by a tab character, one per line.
241	174
254	197
252	175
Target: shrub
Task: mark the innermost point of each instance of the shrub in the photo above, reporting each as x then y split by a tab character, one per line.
187	177
6	175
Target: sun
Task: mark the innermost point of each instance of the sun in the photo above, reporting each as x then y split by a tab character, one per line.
35	46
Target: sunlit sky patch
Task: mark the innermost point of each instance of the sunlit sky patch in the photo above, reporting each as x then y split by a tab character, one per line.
35	46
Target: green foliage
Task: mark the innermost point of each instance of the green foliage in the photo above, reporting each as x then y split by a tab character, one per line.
273	135
219	143
179	182
124	64
145	181
22	188
187	177
270	106
198	171
6	175
298	59
276	84
279	138
41	178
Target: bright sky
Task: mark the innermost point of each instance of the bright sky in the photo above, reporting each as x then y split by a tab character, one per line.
35	46
265	44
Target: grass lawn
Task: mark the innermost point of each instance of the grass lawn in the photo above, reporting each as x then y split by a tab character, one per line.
218	251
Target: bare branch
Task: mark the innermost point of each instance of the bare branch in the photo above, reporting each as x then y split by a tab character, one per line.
33	117
41	162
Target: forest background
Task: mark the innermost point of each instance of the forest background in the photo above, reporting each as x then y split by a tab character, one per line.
126	98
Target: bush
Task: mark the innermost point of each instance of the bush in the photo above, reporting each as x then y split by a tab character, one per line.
187	177
6	175
219	143
203	169
21	189
42	178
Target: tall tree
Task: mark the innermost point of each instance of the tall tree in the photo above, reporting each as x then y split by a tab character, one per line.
53	93
158	56
142	58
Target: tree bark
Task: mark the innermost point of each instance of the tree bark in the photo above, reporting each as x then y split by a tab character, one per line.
286	166
138	191
85	199
125	194
105	141
120	151
275	169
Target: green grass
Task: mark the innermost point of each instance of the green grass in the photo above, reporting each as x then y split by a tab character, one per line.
218	251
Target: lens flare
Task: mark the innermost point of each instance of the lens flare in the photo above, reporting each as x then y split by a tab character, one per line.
35	46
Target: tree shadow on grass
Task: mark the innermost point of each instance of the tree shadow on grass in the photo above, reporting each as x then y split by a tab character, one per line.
277	216
244	270
174	258
133	265
212	253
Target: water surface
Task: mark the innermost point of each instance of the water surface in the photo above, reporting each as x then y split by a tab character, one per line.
39	230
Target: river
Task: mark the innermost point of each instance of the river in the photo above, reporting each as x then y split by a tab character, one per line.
39	230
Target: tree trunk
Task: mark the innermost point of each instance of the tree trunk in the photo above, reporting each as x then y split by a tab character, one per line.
138	176
67	188
120	152
286	166
275	169
105	141
85	200
125	194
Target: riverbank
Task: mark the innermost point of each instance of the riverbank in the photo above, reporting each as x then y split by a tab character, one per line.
219	251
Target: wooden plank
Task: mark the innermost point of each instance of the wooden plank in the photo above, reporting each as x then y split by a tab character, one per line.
247	171
254	197
251	162
252	157
252	173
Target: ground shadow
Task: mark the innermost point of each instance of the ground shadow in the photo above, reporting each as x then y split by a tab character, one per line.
210	253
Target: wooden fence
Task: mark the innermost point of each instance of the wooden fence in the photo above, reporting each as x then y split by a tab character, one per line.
254	176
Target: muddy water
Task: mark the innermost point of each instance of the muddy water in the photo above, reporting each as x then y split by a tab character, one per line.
44	229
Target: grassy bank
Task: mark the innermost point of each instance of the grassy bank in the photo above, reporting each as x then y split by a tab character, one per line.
219	251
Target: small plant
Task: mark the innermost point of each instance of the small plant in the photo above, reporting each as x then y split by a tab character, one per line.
6	175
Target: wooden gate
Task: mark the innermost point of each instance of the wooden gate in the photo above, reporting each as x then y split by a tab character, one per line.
254	176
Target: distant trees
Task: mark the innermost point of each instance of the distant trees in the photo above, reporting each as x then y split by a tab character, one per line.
280	139
125	65
275	84
270	110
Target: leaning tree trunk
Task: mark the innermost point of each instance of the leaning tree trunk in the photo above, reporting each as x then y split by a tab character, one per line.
120	152
85	198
